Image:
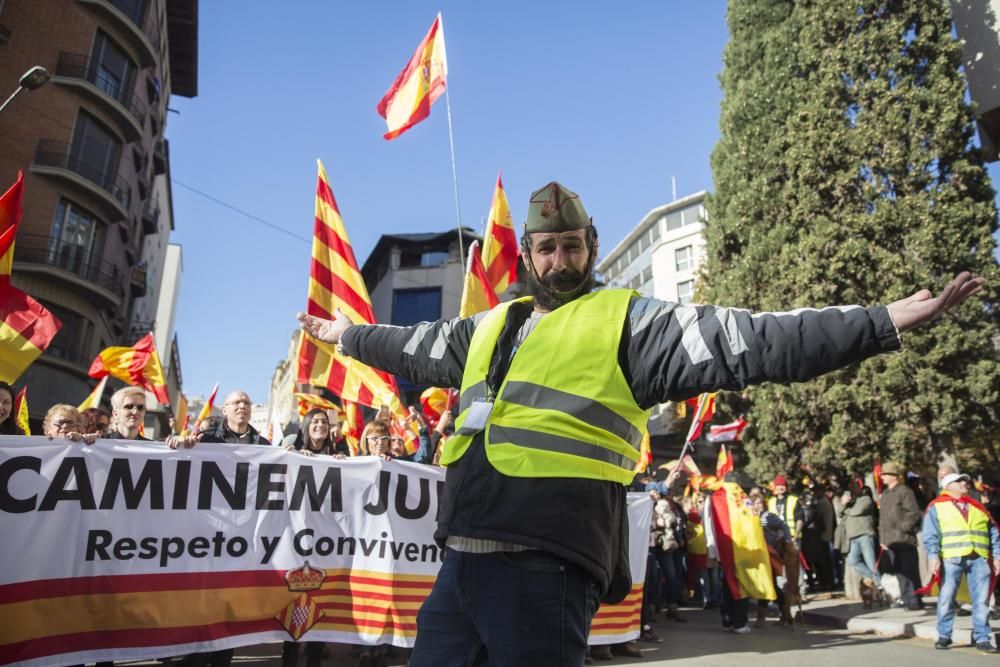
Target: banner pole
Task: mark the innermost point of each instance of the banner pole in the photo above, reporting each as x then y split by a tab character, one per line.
454	179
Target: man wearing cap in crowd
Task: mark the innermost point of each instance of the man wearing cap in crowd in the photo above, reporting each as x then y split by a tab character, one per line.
960	538
556	390
899	521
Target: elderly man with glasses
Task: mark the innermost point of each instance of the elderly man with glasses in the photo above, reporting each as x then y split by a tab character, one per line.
234	428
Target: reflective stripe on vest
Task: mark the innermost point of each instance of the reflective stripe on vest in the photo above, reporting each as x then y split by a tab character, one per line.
961	536
564	408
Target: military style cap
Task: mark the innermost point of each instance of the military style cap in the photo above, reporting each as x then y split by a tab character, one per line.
555	209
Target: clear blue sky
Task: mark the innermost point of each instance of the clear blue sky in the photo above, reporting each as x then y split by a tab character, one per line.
610	99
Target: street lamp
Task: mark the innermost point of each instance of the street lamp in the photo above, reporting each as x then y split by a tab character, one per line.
33	79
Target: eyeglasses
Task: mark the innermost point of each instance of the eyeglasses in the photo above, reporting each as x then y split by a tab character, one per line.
133	406
379	438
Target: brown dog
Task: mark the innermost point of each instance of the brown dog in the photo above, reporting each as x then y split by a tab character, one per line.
870	594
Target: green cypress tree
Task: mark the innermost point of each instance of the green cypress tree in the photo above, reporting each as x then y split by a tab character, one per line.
846	173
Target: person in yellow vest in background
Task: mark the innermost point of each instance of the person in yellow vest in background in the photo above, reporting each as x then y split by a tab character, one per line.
960	538
787	507
556	391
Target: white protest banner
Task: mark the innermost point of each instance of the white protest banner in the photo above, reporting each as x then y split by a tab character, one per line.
127	550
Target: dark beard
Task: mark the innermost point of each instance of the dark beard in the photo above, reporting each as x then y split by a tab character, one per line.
559	288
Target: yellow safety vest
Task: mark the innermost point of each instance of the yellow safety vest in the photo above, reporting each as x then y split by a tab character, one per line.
791	502
564	409
961	537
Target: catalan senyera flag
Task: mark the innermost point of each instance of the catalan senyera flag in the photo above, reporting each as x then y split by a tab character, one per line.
702	415
408	100
206	409
335	283
26	327
724	464
138	365
94	399
20	410
500	251
308	402
477	294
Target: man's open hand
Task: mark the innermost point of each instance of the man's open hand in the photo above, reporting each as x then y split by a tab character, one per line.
327	331
923	307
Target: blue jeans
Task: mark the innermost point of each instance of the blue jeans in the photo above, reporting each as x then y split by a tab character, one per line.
862	557
506	608
977	573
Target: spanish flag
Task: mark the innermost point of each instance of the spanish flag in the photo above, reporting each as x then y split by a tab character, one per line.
408	101
477	293
94	400
739	538
20	410
335	283
206	409
702	415
26	327
182	417
724	464
500	243
434	401
138	365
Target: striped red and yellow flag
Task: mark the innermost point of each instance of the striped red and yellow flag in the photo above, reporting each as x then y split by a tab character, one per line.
645	454
26	327
181	418
308	402
138	365
335	283
500	243
477	294
354	426
408	101
20	410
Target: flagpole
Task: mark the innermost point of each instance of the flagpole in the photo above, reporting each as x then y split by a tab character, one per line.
454	179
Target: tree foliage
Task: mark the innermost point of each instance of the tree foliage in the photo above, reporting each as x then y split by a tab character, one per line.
847	173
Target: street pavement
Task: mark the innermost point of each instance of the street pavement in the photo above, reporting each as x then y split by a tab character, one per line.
701	641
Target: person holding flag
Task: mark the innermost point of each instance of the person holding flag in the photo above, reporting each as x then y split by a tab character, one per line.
961	539
556	391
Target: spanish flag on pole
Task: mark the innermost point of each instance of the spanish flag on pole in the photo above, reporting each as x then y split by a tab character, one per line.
477	293
206	409
26	327
702	415
138	365
500	243
20	411
94	400
335	283
408	100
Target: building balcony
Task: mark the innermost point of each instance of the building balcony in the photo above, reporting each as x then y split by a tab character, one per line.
85	74
151	217
56	159
135	18
70	263
137	281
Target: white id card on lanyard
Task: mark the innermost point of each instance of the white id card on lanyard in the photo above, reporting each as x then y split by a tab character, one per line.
479	414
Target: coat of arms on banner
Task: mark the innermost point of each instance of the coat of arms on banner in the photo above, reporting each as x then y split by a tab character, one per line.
303	612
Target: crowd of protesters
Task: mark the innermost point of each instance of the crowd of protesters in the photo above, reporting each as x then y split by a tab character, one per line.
842	535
